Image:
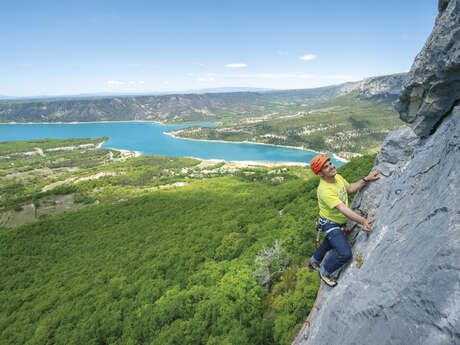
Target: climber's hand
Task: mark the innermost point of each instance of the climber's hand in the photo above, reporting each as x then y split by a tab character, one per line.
373	175
367	224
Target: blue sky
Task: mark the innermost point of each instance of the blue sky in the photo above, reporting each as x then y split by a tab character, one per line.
72	47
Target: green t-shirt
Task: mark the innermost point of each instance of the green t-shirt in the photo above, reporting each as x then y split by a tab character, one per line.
329	196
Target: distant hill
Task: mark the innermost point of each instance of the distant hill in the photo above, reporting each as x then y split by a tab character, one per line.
134	94
188	107
228	89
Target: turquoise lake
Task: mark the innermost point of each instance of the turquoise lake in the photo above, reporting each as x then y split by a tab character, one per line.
148	138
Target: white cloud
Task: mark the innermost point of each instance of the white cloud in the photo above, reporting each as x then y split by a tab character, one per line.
206	80
202	75
270	76
339	77
236	65
130	82
307	57
115	82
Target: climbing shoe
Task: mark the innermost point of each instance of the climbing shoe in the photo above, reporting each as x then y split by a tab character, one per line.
328	280
313	266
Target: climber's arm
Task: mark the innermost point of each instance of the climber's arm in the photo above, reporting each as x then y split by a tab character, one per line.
347	212
355	186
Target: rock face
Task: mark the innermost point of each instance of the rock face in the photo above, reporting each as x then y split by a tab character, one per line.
403	286
433	85
383	87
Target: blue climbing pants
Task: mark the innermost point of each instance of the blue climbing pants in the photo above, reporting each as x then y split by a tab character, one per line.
334	238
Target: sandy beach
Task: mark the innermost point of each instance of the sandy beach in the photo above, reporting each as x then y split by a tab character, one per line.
124	153
244	164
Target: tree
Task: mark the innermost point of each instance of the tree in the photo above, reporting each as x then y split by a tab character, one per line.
270	263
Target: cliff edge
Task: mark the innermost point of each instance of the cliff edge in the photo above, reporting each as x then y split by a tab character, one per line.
403	285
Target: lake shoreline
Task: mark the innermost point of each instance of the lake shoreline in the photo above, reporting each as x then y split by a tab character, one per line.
122	151
245	164
138	153
343	160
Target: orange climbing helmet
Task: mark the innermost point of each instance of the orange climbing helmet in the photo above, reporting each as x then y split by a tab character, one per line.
317	163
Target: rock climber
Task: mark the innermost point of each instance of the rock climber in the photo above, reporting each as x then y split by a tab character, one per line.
334	211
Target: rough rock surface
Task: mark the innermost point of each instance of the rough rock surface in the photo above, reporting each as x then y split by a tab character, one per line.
387	86
433	85
403	286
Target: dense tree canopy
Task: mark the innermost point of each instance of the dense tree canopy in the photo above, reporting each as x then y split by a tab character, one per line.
169	266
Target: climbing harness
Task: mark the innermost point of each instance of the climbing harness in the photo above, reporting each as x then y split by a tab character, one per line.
318	232
306	325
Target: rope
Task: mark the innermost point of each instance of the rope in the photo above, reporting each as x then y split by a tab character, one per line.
307	323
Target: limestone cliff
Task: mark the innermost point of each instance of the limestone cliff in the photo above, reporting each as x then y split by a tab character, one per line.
403	287
382	87
388	86
432	87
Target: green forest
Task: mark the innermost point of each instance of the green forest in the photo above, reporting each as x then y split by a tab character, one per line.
180	265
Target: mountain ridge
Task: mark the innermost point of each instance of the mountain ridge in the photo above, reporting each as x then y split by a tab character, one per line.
133	94
182	107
